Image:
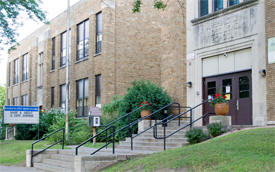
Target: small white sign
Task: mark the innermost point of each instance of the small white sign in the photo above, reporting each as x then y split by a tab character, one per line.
227	89
271	50
21	115
96	121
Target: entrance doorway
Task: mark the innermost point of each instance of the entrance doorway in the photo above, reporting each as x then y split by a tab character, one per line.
238	89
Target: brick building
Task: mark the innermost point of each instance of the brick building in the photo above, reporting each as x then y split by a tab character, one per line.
109	48
270	65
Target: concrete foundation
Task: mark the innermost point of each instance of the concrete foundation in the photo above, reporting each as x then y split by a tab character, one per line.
224	120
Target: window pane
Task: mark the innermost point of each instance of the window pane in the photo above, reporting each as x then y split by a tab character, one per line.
244	87
86	88
218	5
203	7
80	89
227	88
211	87
233	2
98	89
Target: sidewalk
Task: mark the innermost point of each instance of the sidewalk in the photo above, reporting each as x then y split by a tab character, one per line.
18	169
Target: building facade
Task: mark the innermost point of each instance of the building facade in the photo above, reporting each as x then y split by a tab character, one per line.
109	48
226	53
270	60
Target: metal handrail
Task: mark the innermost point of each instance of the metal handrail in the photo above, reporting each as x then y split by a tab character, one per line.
166	121
130	125
43	138
107	143
107	127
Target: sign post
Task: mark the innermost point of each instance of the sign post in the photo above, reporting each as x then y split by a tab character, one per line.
94	120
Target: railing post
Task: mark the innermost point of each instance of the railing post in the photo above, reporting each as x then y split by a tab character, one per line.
63	131
113	128
179	113
191	120
106	138
76	151
32	156
164	139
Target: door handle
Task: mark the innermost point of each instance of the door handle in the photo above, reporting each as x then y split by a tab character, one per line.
237	104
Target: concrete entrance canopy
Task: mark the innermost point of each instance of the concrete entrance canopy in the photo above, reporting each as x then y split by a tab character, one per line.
227	41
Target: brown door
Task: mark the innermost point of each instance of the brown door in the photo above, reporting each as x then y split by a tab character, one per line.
237	87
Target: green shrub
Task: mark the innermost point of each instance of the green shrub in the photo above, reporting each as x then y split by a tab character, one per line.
139	92
79	130
215	129
195	135
30	131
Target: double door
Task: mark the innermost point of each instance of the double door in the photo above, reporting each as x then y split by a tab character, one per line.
238	89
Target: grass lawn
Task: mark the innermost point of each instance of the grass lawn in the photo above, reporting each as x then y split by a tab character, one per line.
14	151
250	150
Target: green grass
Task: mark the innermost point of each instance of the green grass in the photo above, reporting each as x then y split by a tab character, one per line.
97	145
14	152
250	150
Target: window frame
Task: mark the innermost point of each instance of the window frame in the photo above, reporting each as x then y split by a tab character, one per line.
86	25
98	90
84	98
24	100
16	71
53	53
13	101
25	60
98	35
52	97
228	3
214	9
61	102
200	11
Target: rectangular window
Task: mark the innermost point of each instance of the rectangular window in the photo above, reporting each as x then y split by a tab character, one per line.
52	97
83	40
16	71
9	74
98	46
62	96
203	7
40	69
24	100
98	90
218	5
233	2
15	101
8	103
82	95
25	67
53	53
63	51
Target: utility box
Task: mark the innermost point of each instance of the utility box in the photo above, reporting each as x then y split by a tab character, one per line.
94	117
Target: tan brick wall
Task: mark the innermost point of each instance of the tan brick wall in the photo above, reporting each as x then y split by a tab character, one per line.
148	45
270	32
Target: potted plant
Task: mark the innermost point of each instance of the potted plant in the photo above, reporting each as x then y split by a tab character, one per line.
146	109
220	104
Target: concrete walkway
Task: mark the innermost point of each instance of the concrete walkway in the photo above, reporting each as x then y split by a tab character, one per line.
18	169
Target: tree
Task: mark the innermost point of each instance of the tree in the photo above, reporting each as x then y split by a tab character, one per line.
2	100
9	15
159	4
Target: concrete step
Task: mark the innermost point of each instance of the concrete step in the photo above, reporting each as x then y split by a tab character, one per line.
150	135
135	143
51	168
63	157
172	140
150	148
59	163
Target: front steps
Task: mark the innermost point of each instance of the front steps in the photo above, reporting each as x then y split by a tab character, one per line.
66	161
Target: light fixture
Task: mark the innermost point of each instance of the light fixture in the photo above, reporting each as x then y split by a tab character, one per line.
189	84
262	72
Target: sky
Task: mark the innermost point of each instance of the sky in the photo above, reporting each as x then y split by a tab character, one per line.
52	8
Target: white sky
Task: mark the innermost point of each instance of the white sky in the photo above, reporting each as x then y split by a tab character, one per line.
53	8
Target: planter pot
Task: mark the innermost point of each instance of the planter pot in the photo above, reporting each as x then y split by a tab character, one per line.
144	113
221	108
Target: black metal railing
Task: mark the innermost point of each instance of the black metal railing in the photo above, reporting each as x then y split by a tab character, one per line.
109	126
130	125
167	120
112	128
43	138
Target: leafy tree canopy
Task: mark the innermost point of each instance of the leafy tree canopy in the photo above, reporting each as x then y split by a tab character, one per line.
159	4
10	10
